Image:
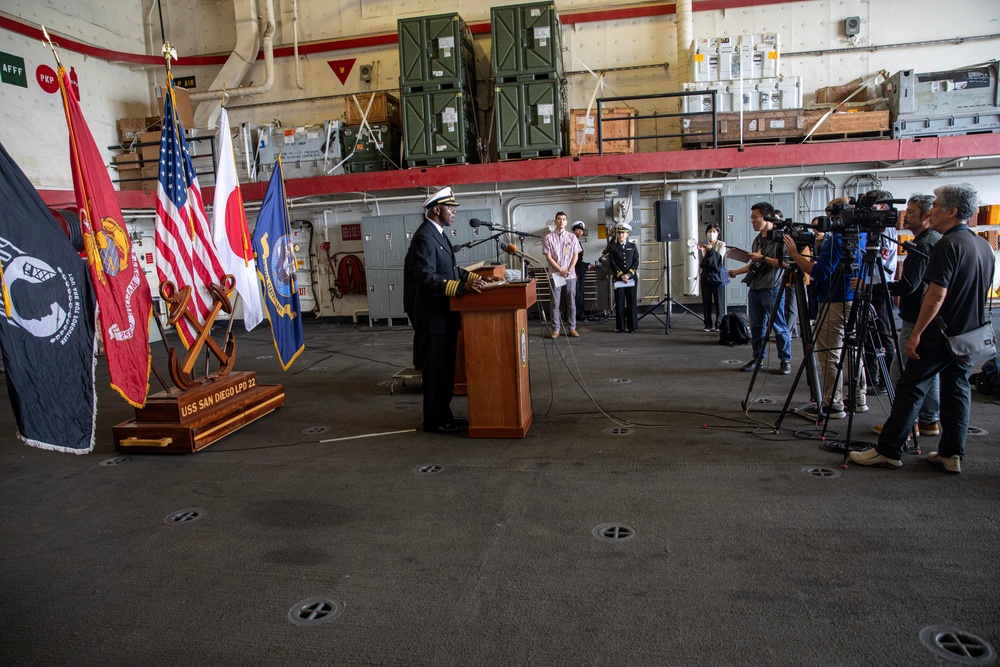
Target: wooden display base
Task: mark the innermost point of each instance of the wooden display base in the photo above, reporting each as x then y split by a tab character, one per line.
183	422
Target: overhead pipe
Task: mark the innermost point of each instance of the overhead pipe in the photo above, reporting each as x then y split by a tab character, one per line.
677	184
684	27
240	62
295	42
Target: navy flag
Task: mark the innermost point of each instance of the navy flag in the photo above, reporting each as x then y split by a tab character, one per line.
272	243
47	331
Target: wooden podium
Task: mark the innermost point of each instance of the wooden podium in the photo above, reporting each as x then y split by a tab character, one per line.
495	328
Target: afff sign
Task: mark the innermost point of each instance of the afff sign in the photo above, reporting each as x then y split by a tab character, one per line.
12	70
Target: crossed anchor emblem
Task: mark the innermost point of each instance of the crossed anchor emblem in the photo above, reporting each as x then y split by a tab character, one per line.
179	302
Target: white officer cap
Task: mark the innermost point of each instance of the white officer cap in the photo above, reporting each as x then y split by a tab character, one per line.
443	197
624	227
578	224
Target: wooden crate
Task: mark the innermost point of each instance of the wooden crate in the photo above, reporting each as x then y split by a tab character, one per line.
757	126
847	124
385	108
583	131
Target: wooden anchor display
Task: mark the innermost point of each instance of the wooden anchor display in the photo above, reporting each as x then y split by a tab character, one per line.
206	409
179	302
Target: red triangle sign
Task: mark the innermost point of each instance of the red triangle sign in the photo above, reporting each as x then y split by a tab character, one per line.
342	68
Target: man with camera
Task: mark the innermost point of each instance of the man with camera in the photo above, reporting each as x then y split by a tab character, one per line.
832	275
764	289
910	291
958	277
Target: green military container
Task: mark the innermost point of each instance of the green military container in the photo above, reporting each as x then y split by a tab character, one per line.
529	118
439	127
527	41
375	150
435	52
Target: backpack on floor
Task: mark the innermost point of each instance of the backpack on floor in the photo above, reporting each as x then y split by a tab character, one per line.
734	330
987	380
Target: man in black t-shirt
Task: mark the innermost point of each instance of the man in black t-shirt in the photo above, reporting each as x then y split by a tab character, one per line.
958	278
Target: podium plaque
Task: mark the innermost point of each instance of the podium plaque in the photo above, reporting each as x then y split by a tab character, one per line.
182	422
495	328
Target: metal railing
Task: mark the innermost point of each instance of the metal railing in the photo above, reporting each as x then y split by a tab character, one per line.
601	139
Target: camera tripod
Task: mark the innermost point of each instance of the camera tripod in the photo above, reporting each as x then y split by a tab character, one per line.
667	301
809	366
861	326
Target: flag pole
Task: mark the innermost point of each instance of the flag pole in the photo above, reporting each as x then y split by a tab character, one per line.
163	339
48	41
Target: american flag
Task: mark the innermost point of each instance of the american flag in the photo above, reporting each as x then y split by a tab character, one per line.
185	253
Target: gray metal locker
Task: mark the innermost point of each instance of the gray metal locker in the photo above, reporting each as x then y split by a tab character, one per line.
738	233
410	224
393	240
394	290
371	235
378	294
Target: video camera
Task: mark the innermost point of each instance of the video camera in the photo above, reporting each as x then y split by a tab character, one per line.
860	216
802	235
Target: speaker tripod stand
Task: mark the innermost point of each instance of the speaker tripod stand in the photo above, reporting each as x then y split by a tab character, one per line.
667	301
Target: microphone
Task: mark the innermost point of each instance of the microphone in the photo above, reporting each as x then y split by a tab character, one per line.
476	222
512	249
463	246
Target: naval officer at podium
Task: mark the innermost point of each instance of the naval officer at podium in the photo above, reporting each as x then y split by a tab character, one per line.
432	276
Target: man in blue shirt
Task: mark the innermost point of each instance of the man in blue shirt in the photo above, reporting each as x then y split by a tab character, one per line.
833	287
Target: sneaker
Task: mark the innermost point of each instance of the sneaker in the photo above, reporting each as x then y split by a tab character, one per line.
813	413
932	428
871	457
707	329
952	464
750	366
786	368
876	390
861	407
878	429
573	333
555	334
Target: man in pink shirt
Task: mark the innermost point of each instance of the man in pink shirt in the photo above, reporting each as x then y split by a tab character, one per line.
561	249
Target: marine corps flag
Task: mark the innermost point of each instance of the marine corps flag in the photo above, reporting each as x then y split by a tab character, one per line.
276	268
46	322
119	284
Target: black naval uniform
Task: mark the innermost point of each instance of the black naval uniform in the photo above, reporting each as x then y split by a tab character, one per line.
624	260
581	272
433	277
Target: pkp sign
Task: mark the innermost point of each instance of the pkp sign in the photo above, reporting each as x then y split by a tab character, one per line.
46	78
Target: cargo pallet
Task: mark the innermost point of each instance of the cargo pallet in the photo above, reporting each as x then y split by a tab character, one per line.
365	167
758	127
528	155
853	125
464	86
537	76
439	161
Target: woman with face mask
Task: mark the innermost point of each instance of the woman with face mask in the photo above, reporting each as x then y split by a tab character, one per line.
714	276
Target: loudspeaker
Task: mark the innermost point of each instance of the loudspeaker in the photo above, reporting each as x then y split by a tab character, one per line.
667	213
852	25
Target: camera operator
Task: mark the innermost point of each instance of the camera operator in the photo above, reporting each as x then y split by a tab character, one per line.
909	290
881	304
835	295
764	290
958	278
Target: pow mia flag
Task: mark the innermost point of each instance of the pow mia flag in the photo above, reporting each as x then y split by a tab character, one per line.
47	332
